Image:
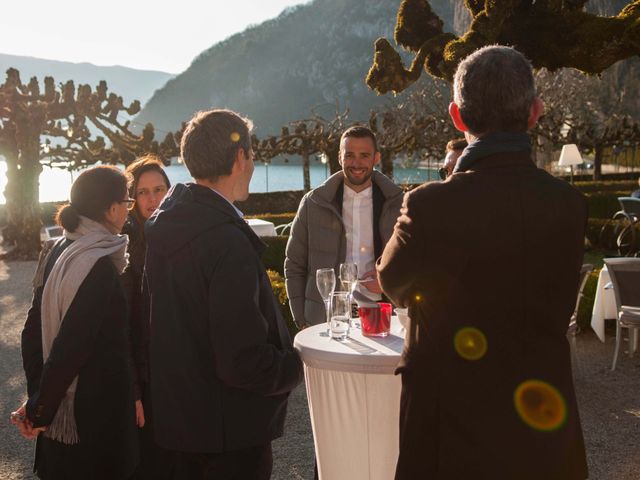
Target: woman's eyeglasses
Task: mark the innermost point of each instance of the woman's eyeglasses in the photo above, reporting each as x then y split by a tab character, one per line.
128	201
443	173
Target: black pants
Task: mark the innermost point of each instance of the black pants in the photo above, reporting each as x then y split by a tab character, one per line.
253	463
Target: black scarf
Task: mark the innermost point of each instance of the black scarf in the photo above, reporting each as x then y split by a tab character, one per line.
490	144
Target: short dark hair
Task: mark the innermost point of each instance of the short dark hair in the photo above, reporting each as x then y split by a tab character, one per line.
211	141
494	90
92	193
144	164
457	144
360	131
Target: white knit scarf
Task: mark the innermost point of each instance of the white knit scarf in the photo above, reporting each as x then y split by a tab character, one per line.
91	241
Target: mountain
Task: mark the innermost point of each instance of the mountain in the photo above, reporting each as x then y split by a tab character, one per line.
129	83
311	57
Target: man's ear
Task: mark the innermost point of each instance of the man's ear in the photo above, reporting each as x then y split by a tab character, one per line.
537	109
454	113
376	158
239	161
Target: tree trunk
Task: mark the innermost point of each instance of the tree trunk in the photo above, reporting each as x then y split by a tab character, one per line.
22	230
597	162
334	161
386	163
305	170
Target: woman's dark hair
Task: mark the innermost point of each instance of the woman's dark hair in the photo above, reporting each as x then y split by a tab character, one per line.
92	193
144	164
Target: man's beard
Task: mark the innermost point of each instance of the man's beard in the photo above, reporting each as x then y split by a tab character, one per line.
358	181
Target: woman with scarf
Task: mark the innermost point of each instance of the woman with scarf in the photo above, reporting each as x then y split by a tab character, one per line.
75	344
149	185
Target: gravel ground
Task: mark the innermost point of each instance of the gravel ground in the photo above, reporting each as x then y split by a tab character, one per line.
609	401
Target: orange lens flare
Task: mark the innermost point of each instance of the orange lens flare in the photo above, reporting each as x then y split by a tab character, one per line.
540	405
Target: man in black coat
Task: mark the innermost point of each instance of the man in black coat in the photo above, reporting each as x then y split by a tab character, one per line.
222	362
488	263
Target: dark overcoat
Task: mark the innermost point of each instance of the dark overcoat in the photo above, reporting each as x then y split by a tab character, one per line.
138	318
222	362
497	249
92	344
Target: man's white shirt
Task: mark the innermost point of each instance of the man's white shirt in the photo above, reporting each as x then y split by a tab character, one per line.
357	215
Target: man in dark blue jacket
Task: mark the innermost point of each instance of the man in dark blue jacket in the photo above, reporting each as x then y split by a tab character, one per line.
222	363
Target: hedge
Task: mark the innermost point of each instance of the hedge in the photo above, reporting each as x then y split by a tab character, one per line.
626	186
273	256
277	284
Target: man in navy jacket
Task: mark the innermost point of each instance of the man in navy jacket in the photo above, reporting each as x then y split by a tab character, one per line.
222	363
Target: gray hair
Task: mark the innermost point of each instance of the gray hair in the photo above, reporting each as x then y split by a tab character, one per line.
494	90
211	141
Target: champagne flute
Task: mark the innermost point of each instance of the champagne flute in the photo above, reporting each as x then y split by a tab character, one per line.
326	283
349	278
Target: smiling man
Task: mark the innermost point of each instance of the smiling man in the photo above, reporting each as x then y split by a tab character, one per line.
349	218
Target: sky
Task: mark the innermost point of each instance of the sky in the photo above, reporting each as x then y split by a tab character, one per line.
133	33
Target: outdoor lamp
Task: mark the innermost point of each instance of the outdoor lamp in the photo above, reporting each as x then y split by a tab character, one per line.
570	156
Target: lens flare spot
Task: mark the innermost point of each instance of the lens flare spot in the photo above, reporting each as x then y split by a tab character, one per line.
418	297
470	343
235	137
540	405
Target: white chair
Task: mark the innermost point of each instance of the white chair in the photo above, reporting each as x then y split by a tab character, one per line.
574	329
284	228
586	269
625	276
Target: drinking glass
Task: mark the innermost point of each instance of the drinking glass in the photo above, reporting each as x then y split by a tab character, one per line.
376	321
326	283
340	315
349	279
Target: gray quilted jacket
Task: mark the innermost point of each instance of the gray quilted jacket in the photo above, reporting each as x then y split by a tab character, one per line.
318	241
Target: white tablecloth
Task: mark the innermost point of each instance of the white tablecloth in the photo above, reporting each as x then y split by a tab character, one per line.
354	401
604	305
262	228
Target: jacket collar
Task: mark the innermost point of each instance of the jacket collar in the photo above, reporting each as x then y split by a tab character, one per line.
503	160
326	193
211	198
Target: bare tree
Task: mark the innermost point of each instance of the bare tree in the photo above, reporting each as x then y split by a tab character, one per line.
419	126
586	111
52	128
305	138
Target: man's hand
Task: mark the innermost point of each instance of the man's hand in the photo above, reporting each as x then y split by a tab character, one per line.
139	414
370	282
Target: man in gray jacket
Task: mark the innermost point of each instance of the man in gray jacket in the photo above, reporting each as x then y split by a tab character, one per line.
349	218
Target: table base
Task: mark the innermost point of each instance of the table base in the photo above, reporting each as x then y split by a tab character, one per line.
354	417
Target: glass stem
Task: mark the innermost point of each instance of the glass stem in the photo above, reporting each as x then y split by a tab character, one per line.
328	314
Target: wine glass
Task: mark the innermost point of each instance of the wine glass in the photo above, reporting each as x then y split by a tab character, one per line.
349	278
340	315
326	283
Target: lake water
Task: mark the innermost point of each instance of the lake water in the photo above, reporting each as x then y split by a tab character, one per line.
55	183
